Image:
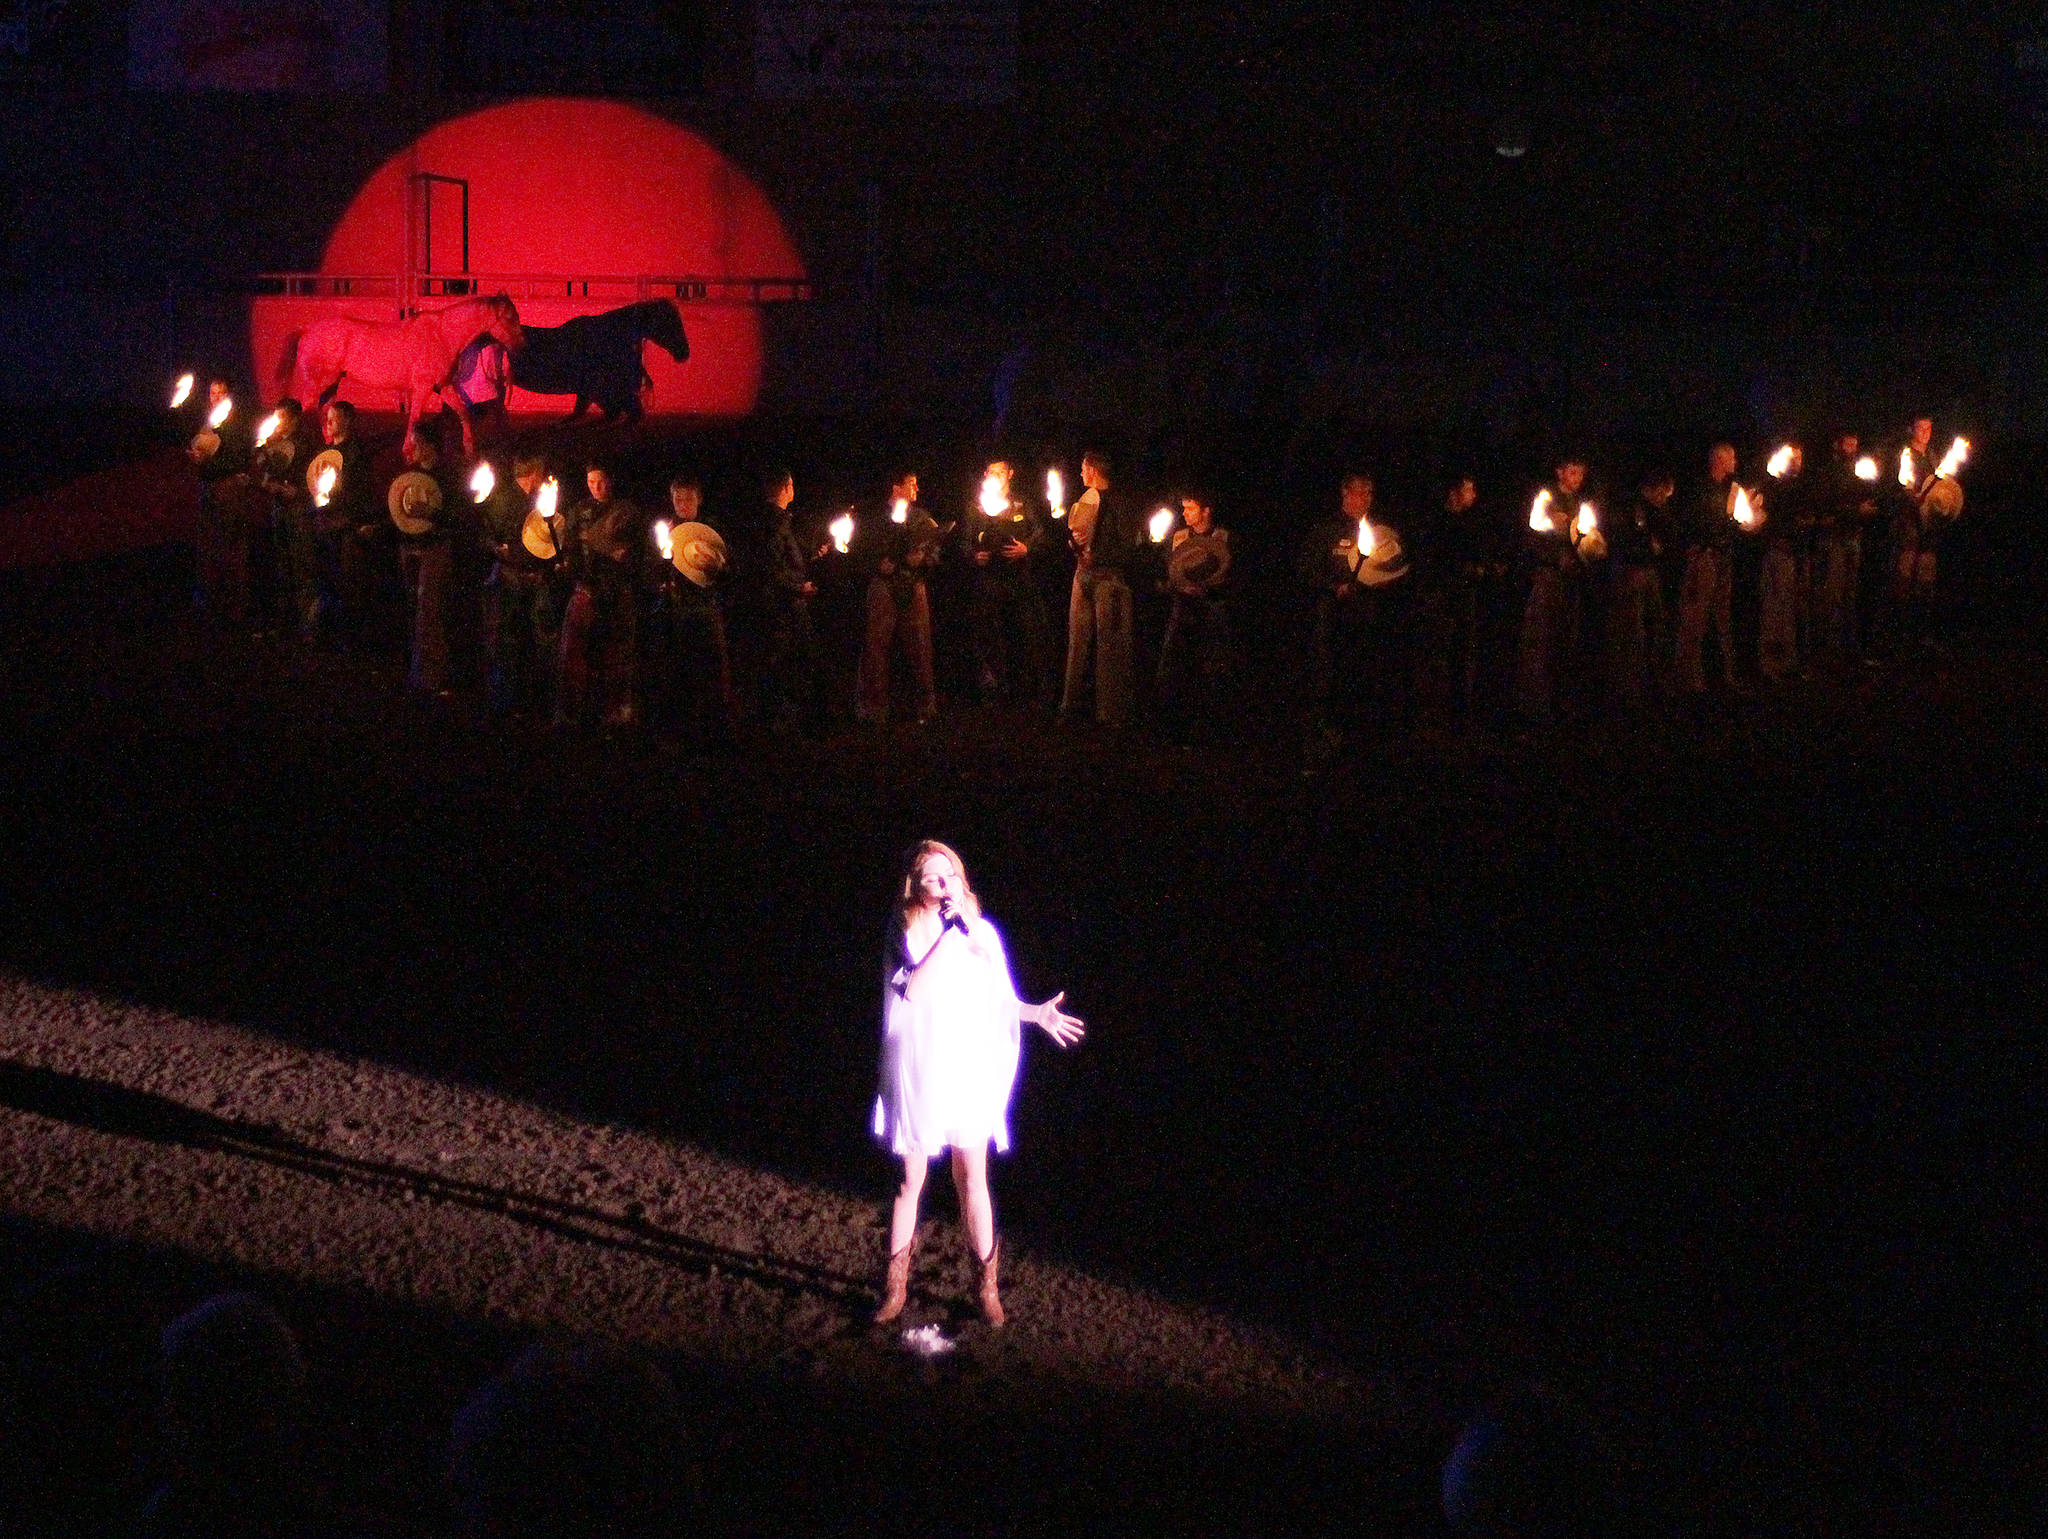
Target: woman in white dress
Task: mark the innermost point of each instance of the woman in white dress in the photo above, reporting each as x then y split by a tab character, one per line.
951	1023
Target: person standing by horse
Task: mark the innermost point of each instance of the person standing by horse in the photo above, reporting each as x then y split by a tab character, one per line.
415	357
951	1040
481	381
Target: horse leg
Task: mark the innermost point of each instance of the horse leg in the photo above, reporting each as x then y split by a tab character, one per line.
462	414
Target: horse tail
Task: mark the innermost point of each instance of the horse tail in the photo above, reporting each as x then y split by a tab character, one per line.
290	360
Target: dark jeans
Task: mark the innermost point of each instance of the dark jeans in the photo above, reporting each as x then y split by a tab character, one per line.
600	646
522	622
1195	661
1013	637
424	571
688	671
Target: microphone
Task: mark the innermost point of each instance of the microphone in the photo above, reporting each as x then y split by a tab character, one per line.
951	916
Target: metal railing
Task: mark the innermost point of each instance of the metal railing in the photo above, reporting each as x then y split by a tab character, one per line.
624	289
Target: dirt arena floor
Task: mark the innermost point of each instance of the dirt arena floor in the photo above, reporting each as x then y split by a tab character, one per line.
1691	1068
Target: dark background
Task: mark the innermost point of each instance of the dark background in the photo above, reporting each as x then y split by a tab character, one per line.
1696	1069
1220	210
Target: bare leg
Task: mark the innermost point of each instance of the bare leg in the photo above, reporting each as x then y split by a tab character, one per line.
903	1218
977	1209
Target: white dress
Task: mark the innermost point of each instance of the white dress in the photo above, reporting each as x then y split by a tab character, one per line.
950	1041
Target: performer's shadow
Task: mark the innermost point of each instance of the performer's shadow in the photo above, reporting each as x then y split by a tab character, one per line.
116	1109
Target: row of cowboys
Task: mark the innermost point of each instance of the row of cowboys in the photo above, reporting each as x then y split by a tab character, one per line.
590	609
1569	602
1559	605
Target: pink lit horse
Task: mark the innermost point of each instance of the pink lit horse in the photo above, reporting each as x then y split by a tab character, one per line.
415	357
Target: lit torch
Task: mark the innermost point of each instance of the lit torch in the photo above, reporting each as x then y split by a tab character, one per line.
1866	469
181	392
1056	493
265	429
323	485
1365	546
1161	525
900	513
1780	462
219	414
663	542
1539	514
995	502
1906	477
841	530
544	499
1951	462
1587	521
484	482
1743	510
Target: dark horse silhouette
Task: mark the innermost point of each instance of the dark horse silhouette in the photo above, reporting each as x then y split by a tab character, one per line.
596	358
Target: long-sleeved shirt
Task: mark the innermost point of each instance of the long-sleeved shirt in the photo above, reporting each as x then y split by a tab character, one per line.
1199	564
980	532
1706	522
1112	541
602	542
1641	534
768	565
911	548
353	501
1558	546
1849	500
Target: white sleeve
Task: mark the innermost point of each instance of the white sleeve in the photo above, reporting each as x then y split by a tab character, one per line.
1002	987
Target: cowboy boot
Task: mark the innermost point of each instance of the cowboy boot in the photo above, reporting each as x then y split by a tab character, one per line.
991	1300
896	1284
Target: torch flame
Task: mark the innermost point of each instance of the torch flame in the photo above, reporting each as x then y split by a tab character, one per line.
666	545
1587	521
1744	510
544	499
323	485
1161	525
1906	477
841	530
181	392
1365	539
265	428
900	513
1952	461
484	482
220	411
995	502
1781	461
1539	514
1866	469
1056	493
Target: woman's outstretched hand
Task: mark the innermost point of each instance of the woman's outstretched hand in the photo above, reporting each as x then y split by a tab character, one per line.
1063	1028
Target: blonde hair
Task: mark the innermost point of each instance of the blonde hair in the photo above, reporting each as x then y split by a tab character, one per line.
911	899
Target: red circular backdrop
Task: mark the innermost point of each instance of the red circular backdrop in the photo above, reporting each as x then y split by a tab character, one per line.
577	189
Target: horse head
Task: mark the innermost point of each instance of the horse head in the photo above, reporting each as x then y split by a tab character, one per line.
504	323
664	328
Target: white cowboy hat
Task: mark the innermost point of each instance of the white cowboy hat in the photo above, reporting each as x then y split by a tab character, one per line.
414	499
699	552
